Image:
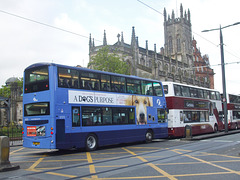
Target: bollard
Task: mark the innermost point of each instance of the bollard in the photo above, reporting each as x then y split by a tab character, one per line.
5	164
188	132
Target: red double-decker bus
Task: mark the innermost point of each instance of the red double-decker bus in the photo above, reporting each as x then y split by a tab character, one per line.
194	107
233	111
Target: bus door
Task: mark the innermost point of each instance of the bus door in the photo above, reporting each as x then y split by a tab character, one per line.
212	106
60	132
75	119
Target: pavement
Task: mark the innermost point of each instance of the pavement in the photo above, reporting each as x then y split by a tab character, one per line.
211	135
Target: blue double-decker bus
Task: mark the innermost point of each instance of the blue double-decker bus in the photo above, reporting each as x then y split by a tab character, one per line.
71	107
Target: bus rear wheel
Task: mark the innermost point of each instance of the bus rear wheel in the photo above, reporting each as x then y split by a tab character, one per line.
149	136
236	126
91	142
215	128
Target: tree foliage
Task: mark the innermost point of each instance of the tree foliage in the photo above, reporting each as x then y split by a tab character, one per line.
110	62
5	91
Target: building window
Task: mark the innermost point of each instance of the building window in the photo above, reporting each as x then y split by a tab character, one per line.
178	45
170	45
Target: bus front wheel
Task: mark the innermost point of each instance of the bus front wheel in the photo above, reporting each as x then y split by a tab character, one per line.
91	142
149	136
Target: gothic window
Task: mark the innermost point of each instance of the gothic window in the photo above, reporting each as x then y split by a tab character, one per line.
142	61
166	67
159	66
179	72
173	69
150	62
178	44
170	44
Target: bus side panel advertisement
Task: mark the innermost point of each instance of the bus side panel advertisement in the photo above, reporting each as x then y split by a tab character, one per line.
140	102
82	97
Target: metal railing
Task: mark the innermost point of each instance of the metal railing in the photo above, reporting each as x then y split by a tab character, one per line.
14	132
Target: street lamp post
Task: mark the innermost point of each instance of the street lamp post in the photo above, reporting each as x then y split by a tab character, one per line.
223	73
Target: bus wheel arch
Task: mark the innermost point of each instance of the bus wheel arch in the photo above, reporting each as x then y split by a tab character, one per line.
91	142
149	136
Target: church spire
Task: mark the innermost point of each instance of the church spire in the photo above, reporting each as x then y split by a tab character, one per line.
104	39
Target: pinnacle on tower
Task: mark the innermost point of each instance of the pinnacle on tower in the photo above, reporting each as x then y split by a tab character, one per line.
165	14
133	36
189	16
104	39
90	41
122	39
181	10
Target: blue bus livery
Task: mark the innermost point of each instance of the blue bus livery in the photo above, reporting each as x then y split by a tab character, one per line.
70	107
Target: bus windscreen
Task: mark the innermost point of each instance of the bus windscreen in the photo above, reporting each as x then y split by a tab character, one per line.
36	79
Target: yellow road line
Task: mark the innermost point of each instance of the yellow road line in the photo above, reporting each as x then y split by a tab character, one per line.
207	162
164	173
91	166
32	168
65	160
221	167
16	150
202	174
118	178
222	155
63	175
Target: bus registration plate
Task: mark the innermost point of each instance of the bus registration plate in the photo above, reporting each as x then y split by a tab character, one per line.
36	143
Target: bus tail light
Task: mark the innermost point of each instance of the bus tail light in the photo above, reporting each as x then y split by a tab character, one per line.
51	133
22	130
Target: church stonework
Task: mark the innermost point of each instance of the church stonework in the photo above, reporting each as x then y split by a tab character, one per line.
175	62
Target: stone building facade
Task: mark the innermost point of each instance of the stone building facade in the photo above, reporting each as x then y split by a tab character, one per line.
175	62
204	73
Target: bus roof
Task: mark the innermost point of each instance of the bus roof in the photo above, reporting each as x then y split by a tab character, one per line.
170	82
86	69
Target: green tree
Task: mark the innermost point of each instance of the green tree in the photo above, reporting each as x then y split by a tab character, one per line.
110	62
5	91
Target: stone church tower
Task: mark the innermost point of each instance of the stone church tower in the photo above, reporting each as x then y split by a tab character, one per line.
178	36
175	62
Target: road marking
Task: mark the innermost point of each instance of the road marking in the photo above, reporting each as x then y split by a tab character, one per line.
32	168
214	154
122	178
63	175
91	166
164	173
207	162
16	150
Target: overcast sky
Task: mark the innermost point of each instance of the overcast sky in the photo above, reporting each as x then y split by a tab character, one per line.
24	42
